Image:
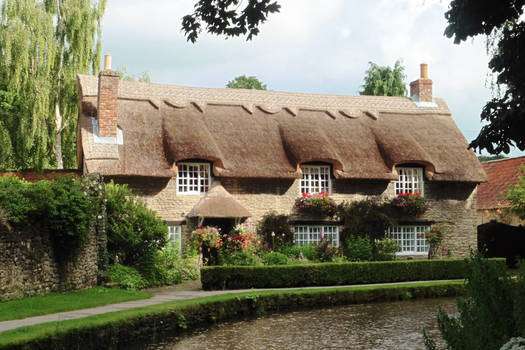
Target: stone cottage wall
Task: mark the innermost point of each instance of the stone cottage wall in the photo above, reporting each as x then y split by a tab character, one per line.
450	203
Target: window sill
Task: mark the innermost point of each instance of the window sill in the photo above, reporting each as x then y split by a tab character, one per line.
412	253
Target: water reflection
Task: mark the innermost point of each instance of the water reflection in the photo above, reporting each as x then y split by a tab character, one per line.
393	325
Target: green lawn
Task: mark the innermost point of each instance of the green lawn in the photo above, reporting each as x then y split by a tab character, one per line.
58	302
114	320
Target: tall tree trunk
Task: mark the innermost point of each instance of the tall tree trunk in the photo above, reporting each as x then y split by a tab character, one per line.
58	137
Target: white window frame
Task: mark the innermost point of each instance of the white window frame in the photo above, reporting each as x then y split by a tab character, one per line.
193	178
410	180
316	178
175	235
411	238
310	234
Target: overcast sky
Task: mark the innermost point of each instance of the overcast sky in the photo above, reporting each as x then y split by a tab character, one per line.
310	46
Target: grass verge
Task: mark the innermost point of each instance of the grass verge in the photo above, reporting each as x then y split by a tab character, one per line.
58	302
149	324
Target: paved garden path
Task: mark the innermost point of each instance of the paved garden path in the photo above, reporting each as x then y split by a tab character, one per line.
187	290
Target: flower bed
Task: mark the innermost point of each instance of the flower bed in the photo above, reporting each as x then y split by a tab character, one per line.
316	203
412	204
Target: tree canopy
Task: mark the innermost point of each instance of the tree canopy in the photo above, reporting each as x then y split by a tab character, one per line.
44	44
502	22
244	82
384	80
228	17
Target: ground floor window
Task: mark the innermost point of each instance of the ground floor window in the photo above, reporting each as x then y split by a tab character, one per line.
175	235
311	234
411	238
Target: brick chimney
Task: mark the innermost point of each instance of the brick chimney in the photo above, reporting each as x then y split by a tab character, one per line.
108	81
421	89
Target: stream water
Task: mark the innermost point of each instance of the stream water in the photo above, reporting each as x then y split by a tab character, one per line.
387	325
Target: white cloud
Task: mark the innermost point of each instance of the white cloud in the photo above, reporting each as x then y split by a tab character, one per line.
310	46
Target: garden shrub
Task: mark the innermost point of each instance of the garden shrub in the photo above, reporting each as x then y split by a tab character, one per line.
359	248
239	247
134	232
60	207
280	225
125	276
369	217
274	258
327	274
325	251
490	314
386	249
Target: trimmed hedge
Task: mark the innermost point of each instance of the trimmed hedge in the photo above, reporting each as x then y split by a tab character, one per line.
119	330
332	274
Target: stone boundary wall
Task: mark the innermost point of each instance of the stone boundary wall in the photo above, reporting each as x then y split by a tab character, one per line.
34	176
28	267
27	262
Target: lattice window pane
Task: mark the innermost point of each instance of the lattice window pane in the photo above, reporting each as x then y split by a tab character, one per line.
175	235
311	234
193	178
410	180
316	178
411	238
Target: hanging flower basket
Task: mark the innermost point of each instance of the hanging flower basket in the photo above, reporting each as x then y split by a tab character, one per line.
316	203
411	204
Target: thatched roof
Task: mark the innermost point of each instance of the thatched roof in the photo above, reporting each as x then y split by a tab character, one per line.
268	134
218	203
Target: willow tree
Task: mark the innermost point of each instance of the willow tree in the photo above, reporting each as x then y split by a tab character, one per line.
384	80
43	45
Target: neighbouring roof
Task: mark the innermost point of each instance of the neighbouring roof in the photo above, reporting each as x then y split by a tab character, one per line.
268	134
218	203
501	173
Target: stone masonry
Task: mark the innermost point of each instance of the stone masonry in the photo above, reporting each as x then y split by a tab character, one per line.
449	203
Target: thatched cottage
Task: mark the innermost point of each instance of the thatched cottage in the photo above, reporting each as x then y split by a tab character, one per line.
202	155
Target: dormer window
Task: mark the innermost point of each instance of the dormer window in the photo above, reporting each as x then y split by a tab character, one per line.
410	180
193	178
316	178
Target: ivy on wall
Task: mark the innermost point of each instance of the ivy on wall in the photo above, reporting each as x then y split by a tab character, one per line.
61	207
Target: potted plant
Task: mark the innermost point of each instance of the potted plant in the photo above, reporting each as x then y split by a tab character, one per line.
411	204
320	203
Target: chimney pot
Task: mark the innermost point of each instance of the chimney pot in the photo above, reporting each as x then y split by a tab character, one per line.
423	68
421	89
107	62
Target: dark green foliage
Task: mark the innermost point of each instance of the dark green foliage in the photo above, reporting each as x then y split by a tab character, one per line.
358	248
278	224
384	81
125	276
332	274
244	82
298	252
489	158
369	217
134	232
69	213
274	258
502	22
131	327
228	17
325	251
492	311
60	207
